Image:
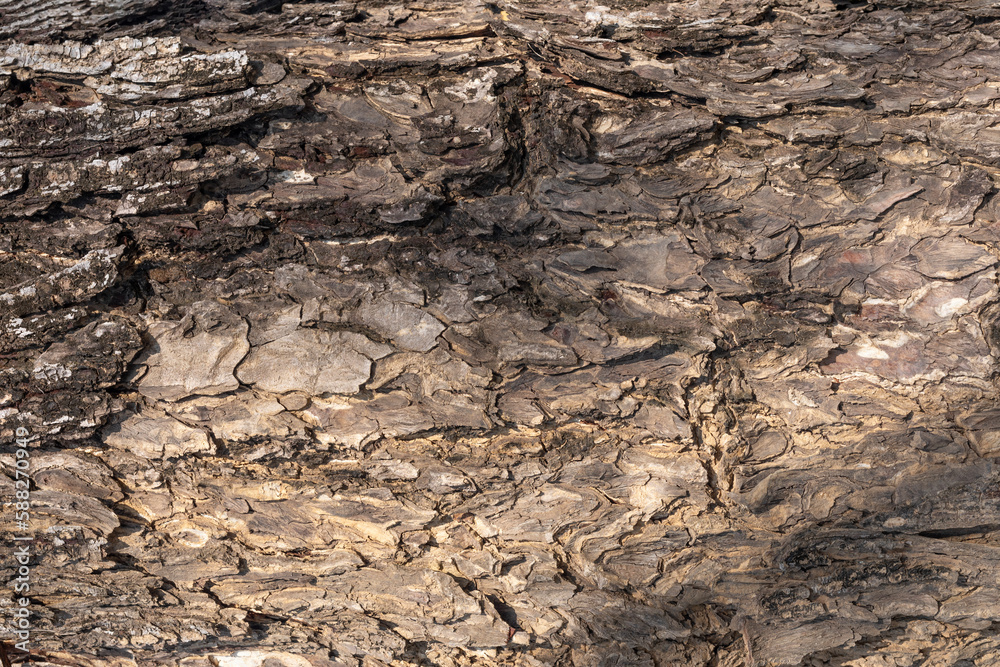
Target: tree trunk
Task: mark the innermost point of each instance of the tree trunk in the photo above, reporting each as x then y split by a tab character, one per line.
516	333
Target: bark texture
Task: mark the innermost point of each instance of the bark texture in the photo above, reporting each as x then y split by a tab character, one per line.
503	333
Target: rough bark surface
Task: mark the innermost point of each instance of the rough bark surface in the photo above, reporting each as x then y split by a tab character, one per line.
503	333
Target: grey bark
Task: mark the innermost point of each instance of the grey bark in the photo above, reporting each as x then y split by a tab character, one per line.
516	333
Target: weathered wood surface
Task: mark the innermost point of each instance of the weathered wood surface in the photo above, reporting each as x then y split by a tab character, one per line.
514	333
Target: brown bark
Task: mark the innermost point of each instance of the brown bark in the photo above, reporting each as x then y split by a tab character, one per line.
511	333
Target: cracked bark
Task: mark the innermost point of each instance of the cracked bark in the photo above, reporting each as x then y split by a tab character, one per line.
509	333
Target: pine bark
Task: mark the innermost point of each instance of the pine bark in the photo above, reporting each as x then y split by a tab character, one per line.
501	333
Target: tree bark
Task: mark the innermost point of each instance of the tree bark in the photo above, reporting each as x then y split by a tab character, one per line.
500	333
